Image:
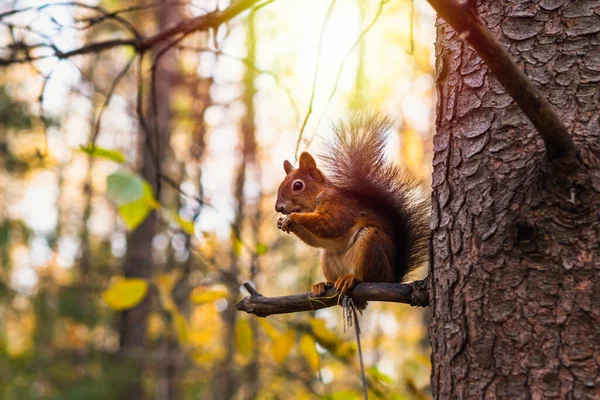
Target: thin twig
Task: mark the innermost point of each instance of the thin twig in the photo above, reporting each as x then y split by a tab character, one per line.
112	15
153	102
109	95
314	84
341	68
207	21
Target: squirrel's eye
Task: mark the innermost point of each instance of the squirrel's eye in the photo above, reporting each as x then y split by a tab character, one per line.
298	185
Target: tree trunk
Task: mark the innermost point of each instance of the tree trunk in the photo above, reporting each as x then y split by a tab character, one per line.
251	146
228	380
515	286
138	261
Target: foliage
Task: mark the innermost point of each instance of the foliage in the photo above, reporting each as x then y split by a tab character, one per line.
96	151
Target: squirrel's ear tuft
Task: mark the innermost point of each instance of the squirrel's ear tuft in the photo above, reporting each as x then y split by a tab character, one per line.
308	164
287	167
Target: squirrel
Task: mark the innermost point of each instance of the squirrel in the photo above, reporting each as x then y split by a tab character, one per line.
365	213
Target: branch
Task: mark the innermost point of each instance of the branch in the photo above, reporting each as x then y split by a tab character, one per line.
203	22
415	294
211	20
464	19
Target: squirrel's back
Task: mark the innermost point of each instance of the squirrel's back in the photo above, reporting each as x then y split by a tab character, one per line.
356	164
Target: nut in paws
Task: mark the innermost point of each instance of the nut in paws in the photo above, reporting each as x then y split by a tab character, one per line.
285	224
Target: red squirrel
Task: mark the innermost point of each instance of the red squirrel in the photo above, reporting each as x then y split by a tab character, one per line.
364	213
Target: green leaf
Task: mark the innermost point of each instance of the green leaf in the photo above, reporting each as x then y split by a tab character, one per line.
123	187
135	212
96	151
379	376
261	249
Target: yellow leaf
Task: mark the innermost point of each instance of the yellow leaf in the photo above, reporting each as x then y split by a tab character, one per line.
125	293
148	196
282	345
203	358
165	284
156	326
203	295
324	335
268	328
309	350
187	226
243	337
181	326
236	243
134	213
346	349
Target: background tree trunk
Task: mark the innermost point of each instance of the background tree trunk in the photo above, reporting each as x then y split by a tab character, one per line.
515	286
228	380
138	261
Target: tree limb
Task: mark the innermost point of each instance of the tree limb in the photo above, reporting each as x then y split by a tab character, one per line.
414	293
464	19
210	20
203	22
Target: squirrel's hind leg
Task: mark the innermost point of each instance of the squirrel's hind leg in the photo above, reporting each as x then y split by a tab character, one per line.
346	283
371	256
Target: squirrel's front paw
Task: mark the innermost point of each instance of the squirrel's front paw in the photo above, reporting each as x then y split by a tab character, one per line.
319	289
285	224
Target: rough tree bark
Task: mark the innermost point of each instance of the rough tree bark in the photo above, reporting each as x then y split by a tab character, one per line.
515	286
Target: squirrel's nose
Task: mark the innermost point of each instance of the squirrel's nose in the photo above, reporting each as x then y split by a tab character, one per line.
279	208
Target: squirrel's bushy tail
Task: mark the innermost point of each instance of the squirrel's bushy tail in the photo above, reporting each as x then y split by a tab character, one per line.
356	163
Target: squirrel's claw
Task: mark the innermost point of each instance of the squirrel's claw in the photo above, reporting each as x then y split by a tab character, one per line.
285	224
319	289
346	283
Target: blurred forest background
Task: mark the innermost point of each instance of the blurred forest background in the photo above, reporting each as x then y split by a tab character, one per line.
137	196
